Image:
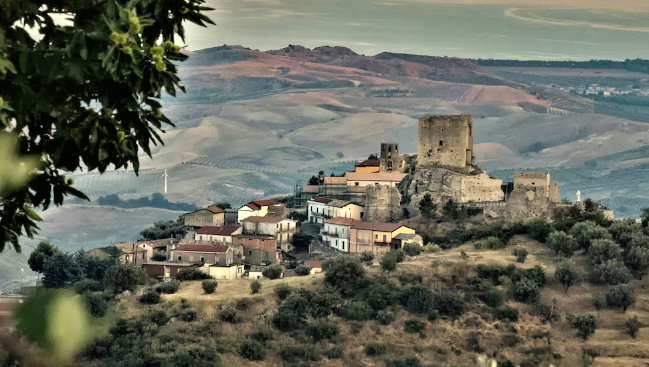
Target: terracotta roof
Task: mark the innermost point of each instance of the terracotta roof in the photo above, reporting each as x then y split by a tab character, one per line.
266	219
339	203
266	202
369	163
378	226
215	209
313	264
322	199
377	176
202	248
342	221
335	180
310	188
217	231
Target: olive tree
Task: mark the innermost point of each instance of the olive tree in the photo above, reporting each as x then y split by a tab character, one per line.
603	250
637	260
586	232
621	296
562	244
568	275
613	272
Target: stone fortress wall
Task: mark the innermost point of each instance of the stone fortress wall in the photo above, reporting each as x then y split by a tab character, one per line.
446	141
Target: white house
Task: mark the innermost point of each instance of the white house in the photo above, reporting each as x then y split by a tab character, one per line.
345	209
336	232
316	209
217	234
257	208
282	229
377	178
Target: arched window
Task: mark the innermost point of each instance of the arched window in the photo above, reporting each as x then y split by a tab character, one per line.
441	142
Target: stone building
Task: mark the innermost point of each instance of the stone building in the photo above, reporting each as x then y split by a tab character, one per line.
390	160
382	204
540	182
445	141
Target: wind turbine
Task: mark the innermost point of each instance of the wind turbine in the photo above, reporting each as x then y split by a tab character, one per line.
165	176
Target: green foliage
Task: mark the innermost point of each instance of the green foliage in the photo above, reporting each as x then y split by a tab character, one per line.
231	315
399	255
638	240
493	243
164	229
452	210
190	274
42	252
414	326
620	295
494	272
520	253
222	205
345	273
526	291
613	272
385	317
587	232
149	297
408	362
449	305
418	300
432	248
157	201
86	94
507	313
209	286
568	275
585	325
252	350
366	257
314	181
283	290
622	231
322	329
539	230
335	352
562	244
87	285
302	270
95	304
255	287
120	278
493	298
427	206
636	259
168	287
380	293
601	251
633	326
535	274
412	249
274	271
262	335
188	315
299	353
389	261
357	310
301	241
158	317
374	349
61	270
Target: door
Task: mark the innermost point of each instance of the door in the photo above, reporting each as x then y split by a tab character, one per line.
385	240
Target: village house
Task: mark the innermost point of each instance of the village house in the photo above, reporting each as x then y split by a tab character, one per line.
224	272
217	234
282	229
164	271
345	209
316	209
401	239
367	166
210	216
375	237
314	265
336	233
257	249
257	208
203	254
378	178
135	254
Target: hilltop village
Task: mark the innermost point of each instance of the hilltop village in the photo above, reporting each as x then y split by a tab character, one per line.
375	208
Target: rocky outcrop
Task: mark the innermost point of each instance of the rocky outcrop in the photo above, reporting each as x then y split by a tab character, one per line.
382	204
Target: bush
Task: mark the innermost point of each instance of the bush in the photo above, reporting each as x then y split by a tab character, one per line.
449	305
633	326
374	349
493	298
87	285
418	300
335	353
298	352
345	273
586	325
601	251
95	304
408	362
262	335
526	291
613	272
255	287
562	244
231	315
322	329
209	286
535	274
414	326
357	310
274	271
412	249
539	230
367	257
400	256
427	207
283	290
302	270
150	297
243	304
188	315
158	317
252	350
168	287
520	253
494	272
493	243
190	274
637	260
620	295
385	317
568	275
120	278
432	248
410	279
288	320
506	313
389	262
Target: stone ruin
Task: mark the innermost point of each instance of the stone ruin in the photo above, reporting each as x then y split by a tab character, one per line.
382	204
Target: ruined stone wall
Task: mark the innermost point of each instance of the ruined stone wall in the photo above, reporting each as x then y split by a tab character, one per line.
480	188
554	194
445	140
531	179
528	205
382	204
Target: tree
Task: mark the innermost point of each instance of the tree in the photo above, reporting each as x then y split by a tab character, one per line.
520	253
427	206
301	241
120	278
255	287
302	270
645	217
372	157
274	271
623	230
209	286
61	270
620	295
85	95
314	180
345	273
412	249
526	291
223	205
164	229
603	250
613	272
586	325
586	232
42	252
568	275
636	259
562	244
633	326
389	262
367	257
590	206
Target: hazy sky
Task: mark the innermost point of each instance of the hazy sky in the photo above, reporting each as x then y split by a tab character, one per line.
539	29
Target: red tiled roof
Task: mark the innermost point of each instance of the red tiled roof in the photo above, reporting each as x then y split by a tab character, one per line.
369	163
378	226
217	231
376	176
322	199
267	202
202	248
342	221
313	264
215	209
266	219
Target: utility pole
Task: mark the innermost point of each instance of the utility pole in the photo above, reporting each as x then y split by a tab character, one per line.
165	176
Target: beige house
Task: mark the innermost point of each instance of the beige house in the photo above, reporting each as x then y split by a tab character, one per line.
379	178
135	253
257	208
314	265
224	272
282	229
203	254
217	234
344	209
211	216
375	237
401	239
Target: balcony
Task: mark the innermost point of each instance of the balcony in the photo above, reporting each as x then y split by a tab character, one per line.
330	234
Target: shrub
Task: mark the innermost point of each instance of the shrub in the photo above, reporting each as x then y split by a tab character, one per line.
633	326
150	297
357	310
585	325
539	230
302	270
410	279
209	286
587	232
380	294
613	272
300	352
120	278
506	313
389	262
188	315
494	272
433	315
243	304
385	317
432	248
335	352
568	275
367	257
95	304
345	273
449	305
274	271
168	287
637	260
562	244
493	243
255	287
412	249
399	255
322	329
526	291
427	206
535	274
87	285
231	315
374	349
158	317
418	300
601	251
190	274
414	326
620	295
520	253
283	290
473	342
408	362
288	320
493	298
252	350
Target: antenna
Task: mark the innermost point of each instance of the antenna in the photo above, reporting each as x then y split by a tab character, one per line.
166	176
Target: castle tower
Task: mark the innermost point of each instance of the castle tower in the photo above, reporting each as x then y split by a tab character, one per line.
389	150
446	141
390	160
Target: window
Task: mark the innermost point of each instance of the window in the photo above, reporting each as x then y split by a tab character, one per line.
180	258
250	253
202	260
441	142
355	183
